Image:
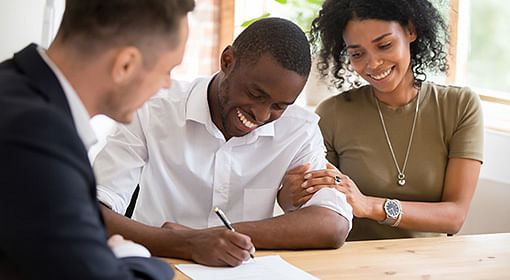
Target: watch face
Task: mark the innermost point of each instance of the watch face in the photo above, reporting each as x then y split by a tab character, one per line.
392	208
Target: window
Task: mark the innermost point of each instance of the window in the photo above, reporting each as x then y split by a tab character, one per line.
481	56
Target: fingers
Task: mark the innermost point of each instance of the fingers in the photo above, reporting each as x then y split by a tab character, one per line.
322	173
299	169
243	242
304	199
238	248
316	182
116	240
331	166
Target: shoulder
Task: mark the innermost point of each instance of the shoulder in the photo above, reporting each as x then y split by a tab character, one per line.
42	129
296	113
13	83
179	91
345	100
175	97
453	97
450	92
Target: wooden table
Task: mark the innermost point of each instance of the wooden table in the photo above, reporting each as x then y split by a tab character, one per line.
485	256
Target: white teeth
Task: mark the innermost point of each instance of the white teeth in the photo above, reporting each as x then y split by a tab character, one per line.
246	122
382	76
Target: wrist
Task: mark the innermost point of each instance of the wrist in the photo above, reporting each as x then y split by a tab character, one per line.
376	209
393	211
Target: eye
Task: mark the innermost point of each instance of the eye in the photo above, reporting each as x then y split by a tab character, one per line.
279	107
254	95
385	46
355	55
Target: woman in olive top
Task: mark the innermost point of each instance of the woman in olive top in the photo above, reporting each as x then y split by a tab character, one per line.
408	151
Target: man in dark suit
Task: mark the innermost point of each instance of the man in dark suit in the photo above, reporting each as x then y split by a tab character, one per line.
108	58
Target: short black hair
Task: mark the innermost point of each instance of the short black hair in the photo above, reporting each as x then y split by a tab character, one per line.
281	38
90	24
427	51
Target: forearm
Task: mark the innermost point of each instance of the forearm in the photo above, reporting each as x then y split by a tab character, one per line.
444	217
163	242
323	228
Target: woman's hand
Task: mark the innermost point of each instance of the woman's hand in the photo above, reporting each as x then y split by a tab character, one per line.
315	180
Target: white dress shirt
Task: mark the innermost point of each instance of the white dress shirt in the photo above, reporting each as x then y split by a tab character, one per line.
185	167
80	115
87	135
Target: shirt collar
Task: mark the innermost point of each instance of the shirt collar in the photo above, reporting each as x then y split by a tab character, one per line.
197	109
81	117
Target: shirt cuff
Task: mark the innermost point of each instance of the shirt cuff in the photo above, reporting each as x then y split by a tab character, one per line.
107	199
333	200
131	250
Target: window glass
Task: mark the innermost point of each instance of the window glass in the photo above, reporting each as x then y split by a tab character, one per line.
488	56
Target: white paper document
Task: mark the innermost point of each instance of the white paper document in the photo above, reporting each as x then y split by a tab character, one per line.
267	268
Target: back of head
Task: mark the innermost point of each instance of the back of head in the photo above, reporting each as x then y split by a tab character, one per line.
93	25
280	38
427	51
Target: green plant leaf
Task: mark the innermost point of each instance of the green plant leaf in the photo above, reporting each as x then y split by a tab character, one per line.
281	1
315	2
248	22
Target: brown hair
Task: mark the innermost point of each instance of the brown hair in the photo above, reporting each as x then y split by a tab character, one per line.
93	25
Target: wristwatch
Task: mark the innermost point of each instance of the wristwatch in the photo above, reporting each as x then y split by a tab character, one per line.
393	211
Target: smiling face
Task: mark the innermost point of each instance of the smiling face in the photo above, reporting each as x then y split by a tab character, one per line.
252	94
379	51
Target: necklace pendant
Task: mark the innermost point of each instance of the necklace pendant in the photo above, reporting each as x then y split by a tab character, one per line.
401	179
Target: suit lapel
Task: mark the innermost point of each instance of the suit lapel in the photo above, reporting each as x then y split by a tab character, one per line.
31	64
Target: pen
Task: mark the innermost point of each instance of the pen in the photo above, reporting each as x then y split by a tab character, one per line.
226	222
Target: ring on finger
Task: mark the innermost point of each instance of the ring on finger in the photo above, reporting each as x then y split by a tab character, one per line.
338	180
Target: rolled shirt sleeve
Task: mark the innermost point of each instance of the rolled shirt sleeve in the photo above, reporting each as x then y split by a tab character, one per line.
313	152
119	164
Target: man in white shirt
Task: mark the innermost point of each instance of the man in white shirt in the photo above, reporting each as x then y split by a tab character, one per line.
225	141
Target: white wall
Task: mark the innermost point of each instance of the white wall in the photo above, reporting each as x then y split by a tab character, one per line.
491	203
21	23
496	165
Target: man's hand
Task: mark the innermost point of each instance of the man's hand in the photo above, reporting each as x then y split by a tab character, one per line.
219	246
117	240
292	195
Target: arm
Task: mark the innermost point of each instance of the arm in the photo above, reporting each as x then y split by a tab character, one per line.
323	221
51	222
216	246
445	216
324	228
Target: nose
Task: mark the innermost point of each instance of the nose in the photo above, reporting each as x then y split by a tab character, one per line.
167	82
262	112
373	61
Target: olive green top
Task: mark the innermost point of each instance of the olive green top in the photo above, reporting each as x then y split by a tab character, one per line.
449	125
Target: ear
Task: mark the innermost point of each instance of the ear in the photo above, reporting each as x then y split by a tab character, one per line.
227	59
411	32
126	62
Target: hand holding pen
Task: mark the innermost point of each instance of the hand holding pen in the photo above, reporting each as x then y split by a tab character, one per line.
227	223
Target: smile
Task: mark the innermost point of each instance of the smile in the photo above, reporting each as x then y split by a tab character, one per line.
243	119
382	75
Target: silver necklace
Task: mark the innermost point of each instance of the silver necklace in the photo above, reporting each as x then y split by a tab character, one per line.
401	178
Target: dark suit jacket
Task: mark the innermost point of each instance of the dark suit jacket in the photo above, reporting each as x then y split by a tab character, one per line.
50	223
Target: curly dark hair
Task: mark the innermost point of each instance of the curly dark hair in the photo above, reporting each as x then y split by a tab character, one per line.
281	38
427	51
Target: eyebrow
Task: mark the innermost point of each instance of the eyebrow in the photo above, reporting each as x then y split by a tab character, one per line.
373	41
267	95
